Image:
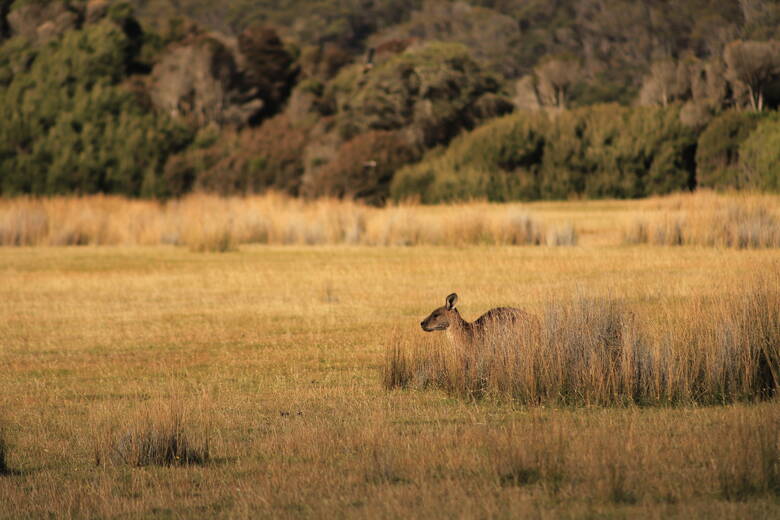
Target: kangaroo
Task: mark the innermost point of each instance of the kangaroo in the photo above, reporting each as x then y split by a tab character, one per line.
461	332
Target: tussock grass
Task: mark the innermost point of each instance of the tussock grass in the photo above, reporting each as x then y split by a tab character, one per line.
606	351
158	434
708	219
565	235
210	223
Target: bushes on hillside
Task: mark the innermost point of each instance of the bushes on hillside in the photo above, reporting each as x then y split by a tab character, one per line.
231	162
498	161
434	89
375	119
600	151
718	151
759	156
68	126
363	167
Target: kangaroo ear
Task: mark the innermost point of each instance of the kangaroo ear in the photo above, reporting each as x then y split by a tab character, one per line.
452	299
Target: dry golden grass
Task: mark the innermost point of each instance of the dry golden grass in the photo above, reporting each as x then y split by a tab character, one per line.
709	219
210	223
272	358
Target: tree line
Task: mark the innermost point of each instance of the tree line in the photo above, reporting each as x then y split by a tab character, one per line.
376	100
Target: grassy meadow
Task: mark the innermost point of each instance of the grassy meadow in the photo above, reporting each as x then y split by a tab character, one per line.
230	358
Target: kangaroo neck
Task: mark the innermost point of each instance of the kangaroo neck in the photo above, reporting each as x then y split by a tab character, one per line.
459	328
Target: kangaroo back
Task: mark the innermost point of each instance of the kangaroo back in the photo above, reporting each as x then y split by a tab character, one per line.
495	322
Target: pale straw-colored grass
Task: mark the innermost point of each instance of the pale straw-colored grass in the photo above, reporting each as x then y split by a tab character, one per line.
706	218
210	223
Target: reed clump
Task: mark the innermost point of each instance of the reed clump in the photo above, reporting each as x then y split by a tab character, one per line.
606	351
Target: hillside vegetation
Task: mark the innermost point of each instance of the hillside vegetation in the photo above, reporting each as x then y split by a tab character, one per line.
362	100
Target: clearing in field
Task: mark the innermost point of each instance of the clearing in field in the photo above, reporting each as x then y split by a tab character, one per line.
288	376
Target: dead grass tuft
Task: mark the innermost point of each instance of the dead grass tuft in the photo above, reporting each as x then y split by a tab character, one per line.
565	235
161	434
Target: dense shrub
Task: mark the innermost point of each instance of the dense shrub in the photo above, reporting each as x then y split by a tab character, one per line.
613	151
67	125
718	151
600	151
363	167
434	89
233	162
759	157
498	161
636	152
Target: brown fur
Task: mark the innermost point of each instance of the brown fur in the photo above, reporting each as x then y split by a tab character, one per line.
462	332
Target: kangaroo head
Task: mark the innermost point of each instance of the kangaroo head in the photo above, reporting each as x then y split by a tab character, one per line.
442	317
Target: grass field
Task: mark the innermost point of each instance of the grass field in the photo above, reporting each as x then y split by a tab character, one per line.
267	362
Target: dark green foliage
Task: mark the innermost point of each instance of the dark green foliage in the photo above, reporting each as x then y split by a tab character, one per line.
600	151
635	152
718	151
85	106
5	7
344	22
67	125
759	157
434	89
17	4
498	161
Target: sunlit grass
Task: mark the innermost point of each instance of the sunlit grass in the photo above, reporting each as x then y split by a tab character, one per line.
272	356
209	223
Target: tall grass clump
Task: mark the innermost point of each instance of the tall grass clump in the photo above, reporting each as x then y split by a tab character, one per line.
606	351
712	220
164	434
210	223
